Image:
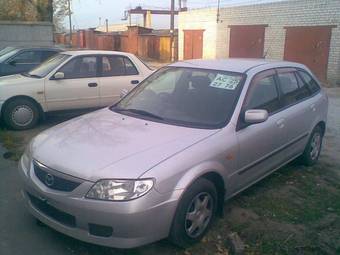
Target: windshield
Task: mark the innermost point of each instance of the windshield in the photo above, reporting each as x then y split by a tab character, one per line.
185	96
49	65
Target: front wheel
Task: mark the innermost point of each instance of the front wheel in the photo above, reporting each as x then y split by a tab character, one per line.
313	148
194	214
21	114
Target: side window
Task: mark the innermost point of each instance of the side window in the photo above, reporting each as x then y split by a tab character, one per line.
304	90
27	57
80	67
113	66
117	66
130	67
311	83
263	94
289	87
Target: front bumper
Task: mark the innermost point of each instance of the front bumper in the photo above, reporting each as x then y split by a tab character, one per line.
133	223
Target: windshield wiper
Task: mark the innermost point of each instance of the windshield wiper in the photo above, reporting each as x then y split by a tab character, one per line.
139	112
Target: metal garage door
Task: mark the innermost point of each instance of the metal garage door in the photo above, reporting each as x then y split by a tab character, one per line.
193	44
310	46
246	41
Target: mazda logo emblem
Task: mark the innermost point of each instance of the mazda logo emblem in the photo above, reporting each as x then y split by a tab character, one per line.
49	180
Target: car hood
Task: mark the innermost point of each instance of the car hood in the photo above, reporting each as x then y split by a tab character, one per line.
105	144
15	79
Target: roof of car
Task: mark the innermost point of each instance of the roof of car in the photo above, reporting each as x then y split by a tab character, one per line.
91	52
231	64
37	47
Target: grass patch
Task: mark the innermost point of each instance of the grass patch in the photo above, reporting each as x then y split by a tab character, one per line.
298	211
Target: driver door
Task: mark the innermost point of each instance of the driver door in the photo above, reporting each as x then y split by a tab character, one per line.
258	143
78	89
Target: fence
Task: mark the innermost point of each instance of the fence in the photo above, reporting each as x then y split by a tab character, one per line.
143	42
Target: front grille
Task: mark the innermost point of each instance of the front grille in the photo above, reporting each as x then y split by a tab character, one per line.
54	182
52	212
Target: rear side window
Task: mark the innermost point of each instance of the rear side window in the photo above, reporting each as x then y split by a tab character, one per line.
263	94
304	89
117	66
289	88
130	67
311	83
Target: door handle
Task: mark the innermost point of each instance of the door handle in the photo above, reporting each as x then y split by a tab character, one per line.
312	107
134	82
92	84
280	123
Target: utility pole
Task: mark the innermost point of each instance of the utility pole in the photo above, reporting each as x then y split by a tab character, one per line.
218	11
70	21
107	25
172	30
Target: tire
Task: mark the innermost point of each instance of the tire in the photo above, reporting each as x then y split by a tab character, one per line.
313	148
21	114
183	232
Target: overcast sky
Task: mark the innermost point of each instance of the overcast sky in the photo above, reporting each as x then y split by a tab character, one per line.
86	13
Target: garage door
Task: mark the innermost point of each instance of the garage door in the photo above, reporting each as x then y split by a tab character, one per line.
193	44
310	46
246	41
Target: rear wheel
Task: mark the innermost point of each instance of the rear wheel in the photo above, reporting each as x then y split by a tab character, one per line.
194	214
313	148
21	114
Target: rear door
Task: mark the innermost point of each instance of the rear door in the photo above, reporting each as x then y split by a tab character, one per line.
79	89
117	72
259	143
298	111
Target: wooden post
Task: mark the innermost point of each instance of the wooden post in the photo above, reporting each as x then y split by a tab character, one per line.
172	30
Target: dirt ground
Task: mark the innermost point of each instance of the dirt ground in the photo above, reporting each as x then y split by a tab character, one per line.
296	210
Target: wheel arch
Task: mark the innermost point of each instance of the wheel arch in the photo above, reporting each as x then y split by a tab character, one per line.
218	181
40	108
216	178
322	125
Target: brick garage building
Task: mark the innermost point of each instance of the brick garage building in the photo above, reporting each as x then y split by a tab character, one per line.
306	31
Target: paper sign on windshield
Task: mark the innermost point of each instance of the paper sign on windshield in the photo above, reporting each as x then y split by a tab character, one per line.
225	82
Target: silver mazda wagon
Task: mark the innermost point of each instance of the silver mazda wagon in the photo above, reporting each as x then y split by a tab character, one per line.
161	162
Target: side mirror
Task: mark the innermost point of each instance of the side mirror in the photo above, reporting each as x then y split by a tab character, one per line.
59	76
255	116
123	93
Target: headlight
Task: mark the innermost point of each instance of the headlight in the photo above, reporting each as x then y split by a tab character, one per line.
27	157
120	190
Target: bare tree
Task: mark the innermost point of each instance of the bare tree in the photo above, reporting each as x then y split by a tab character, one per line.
26	10
60	11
